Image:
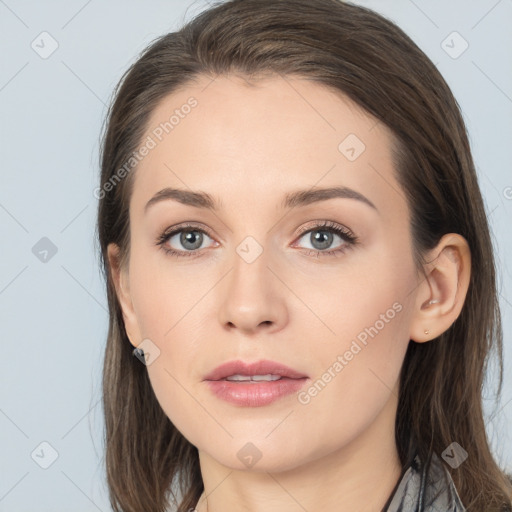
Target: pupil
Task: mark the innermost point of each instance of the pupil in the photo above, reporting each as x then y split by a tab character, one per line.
325	240
188	237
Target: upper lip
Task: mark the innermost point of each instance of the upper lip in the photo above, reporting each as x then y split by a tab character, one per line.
263	367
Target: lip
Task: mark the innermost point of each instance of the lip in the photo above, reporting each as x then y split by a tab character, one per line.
254	394
263	367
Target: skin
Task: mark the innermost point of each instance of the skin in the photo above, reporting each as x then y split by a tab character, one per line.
249	146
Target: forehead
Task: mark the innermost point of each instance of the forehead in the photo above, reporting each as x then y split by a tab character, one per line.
257	141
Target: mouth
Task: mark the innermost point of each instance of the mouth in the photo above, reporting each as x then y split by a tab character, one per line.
239	371
253	378
254	384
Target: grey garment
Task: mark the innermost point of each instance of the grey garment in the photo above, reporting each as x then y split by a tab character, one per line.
419	492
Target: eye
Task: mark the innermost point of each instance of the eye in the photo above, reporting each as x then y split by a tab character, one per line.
321	237
188	239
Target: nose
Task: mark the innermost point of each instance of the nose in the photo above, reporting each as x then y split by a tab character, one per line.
253	298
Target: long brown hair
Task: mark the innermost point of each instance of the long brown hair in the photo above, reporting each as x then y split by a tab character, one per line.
374	63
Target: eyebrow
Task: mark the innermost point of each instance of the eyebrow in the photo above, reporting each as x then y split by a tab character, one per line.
291	200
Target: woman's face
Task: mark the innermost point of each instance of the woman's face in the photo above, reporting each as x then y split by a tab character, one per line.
264	275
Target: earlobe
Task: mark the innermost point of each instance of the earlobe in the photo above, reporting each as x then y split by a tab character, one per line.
119	276
442	292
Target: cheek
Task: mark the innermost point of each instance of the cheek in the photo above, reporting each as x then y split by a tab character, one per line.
361	307
364	358
176	395
368	311
163	293
170	313
357	377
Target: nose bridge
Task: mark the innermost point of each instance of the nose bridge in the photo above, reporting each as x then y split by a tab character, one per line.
250	275
251	295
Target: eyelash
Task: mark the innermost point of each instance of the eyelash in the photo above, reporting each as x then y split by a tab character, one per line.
329	226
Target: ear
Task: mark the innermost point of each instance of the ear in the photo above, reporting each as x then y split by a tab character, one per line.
120	280
440	296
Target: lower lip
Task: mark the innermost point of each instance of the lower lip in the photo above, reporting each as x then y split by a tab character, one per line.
255	394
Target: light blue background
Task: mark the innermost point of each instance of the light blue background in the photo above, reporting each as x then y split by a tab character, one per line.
53	314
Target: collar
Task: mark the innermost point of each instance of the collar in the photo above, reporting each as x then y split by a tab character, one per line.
425	488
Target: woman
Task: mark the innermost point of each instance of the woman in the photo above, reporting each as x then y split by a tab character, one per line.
322	343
